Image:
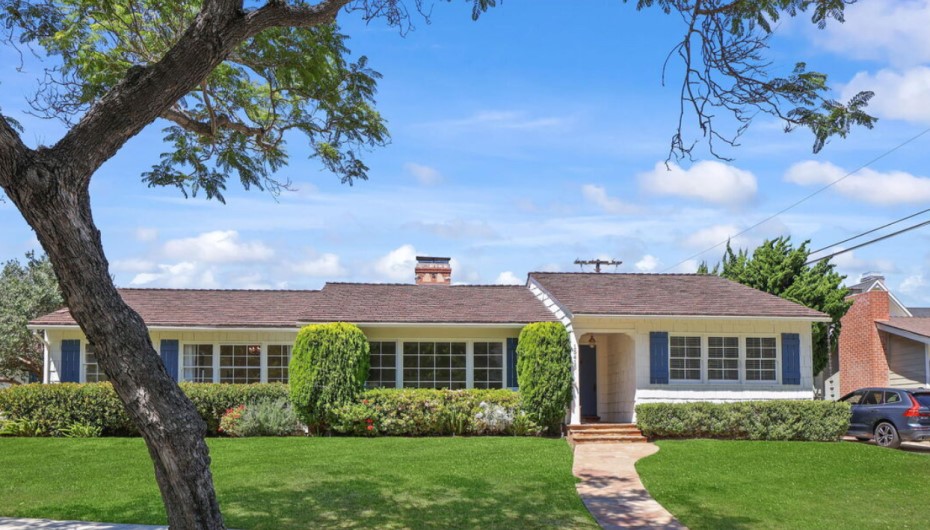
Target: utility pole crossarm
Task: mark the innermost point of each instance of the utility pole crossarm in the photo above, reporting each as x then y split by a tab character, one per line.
597	263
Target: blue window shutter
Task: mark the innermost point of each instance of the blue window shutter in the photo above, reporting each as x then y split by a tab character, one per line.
512	363
658	357
790	359
70	361
169	356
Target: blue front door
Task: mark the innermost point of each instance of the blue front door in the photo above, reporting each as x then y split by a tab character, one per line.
587	362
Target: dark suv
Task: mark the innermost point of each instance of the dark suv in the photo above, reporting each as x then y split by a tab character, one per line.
889	415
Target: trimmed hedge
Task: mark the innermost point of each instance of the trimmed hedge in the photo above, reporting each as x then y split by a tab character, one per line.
56	408
428	412
329	366
747	420
544	372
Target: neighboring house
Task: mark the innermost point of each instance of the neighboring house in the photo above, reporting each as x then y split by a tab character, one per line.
635	338
883	343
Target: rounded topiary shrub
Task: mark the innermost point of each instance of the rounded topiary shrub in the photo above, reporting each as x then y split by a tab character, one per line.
329	366
544	372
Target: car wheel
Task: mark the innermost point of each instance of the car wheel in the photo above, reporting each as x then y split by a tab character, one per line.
887	436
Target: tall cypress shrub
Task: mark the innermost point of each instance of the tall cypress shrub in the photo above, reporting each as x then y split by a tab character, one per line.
544	372
329	366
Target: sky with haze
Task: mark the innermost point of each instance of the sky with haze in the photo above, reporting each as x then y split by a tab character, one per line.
527	139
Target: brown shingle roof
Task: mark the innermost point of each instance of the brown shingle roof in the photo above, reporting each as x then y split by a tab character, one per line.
206	308
442	304
918	325
664	295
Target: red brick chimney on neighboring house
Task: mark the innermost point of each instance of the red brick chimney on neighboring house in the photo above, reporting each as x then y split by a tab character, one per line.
431	270
863	360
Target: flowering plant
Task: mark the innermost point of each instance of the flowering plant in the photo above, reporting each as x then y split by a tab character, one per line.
229	423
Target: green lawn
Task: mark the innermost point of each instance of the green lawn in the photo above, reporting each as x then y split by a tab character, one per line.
737	484
307	482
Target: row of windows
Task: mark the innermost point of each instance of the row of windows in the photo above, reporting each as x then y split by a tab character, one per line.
436	365
687	361
423	365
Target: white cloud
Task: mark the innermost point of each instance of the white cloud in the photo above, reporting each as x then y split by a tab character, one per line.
508	278
146	234
898	95
598	195
217	247
327	266
894	32
456	229
707	180
426	175
506	119
132	265
185	274
712	235
649	263
915	285
866	185
398	264
852	265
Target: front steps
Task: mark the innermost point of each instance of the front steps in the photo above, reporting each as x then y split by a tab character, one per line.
605	433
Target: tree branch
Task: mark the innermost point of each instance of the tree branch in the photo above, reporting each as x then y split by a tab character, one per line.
277	13
10	381
209	129
12	150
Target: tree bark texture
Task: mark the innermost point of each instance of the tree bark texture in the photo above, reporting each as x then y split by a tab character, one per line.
49	186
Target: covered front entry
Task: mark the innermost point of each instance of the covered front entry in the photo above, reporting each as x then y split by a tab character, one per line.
605	378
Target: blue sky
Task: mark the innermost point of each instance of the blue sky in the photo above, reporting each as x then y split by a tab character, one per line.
528	139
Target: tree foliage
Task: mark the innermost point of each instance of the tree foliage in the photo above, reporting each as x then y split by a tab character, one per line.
27	290
544	372
777	267
728	75
329	366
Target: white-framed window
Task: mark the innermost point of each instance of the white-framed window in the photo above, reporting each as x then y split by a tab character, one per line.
489	364
723	358
435	365
279	358
92	371
383	369
684	358
198	363
761	359
240	363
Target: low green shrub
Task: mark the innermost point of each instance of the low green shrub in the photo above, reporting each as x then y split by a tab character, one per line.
269	418
428	412
55	408
746	420
81	430
23	428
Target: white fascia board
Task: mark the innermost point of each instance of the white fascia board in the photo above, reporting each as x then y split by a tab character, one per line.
432	324
172	328
902	333
707	317
532	283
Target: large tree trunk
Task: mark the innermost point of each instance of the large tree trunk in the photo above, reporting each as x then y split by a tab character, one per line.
169	423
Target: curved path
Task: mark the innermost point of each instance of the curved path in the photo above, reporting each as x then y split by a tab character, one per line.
611	489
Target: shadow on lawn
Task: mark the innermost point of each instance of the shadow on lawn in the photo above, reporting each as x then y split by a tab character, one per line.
358	503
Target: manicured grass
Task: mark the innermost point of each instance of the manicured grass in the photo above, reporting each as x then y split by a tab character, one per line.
738	484
307	482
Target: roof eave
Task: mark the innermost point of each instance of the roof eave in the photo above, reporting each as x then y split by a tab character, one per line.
811	318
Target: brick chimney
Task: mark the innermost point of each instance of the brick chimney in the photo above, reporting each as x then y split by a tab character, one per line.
431	270
863	360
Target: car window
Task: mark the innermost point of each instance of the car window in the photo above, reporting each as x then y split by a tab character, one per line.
892	397
854	398
872	397
923	399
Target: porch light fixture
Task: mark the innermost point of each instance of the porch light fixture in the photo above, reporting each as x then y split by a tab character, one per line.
591	340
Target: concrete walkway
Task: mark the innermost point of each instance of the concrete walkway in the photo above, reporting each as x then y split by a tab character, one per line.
611	489
7	523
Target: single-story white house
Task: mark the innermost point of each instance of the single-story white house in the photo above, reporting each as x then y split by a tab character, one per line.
636	338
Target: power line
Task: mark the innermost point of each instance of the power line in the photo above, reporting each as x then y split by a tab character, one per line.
796	203
876	240
870	231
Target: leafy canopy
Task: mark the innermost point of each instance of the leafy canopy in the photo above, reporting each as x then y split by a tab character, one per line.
238	120
27	290
777	267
